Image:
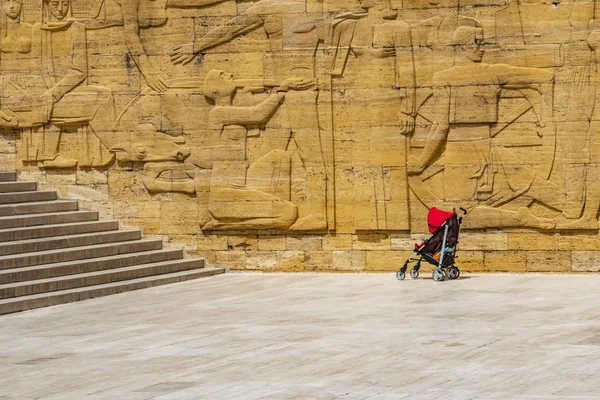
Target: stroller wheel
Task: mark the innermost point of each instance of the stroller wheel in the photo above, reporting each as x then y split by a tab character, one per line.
453	273
438	275
400	275
414	273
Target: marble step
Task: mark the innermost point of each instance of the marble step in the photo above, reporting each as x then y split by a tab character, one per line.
21	221
78	253
98	277
23	303
21	186
68	241
35	207
41	231
89	265
8	176
23	197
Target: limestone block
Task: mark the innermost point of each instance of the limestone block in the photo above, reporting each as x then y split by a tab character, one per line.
209	255
371	241
335	241
354	260
242	242
318	260
533	241
61	178
578	241
88	193
91	177
233	259
212	242
148	209
124	185
554	261
406	241
377	260
291	261
150	226
261	260
304	242
489	240
188	242
179	219
505	261
470	261
585	261
125	209
272	243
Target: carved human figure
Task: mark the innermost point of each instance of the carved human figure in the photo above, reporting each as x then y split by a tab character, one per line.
128	13
264	13
588	213
380	35
242	196
17	64
466	105
301	108
60	44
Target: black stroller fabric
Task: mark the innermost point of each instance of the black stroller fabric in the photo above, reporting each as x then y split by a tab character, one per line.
433	245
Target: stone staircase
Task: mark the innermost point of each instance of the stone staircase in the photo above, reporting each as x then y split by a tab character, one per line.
52	253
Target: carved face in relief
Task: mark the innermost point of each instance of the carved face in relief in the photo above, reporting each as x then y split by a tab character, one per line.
12	8
59	8
219	84
366	4
468	41
474	50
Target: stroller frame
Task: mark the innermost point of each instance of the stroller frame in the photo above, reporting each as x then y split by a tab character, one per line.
445	267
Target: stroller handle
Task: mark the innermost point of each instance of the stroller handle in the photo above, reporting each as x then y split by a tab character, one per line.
463	210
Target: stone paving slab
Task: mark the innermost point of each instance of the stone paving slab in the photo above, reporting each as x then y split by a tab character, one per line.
314	336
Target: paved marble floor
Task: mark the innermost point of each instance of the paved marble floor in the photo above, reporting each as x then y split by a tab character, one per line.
308	336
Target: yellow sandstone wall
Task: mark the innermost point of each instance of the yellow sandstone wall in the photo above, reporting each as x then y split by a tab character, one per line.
307	135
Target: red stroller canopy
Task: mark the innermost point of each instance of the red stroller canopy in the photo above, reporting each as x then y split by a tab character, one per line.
436	217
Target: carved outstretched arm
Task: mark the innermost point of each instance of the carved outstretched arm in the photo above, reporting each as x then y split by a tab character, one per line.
244	23
536	85
192	3
437	135
136	48
255	115
78	70
238	26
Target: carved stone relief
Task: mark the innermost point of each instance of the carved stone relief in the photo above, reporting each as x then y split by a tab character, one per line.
307	116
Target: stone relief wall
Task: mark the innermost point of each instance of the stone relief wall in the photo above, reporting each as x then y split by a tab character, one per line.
315	134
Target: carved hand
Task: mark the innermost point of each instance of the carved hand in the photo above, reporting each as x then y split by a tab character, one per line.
407	124
375	52
414	166
594	39
47	101
6	121
183	54
156	81
297	84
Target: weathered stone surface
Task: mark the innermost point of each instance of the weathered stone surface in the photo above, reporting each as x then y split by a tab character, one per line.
555	261
311	126
586	261
505	261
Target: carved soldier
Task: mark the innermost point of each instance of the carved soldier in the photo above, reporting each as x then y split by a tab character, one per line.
243	196
466	105
62	51
298	60
133	14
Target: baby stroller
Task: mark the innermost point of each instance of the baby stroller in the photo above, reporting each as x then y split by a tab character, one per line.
440	248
